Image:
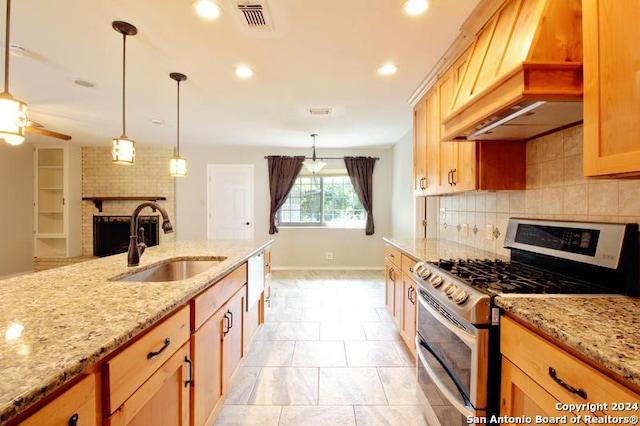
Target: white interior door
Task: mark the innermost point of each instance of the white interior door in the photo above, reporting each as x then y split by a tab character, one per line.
230	201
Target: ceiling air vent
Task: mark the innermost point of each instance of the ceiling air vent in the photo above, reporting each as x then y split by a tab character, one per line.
255	15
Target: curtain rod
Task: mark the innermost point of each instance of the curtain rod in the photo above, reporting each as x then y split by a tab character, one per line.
322	158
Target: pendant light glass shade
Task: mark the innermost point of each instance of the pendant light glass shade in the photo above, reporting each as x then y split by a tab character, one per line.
313	165
123	149
13	113
178	165
13	119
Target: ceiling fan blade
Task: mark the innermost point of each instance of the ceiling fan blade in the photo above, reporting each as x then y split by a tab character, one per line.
46	132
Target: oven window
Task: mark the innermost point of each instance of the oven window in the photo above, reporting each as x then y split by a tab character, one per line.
449	349
445	413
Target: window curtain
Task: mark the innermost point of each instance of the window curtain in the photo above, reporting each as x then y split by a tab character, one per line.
360	171
283	172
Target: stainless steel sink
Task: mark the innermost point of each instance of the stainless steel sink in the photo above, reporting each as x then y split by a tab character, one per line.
174	270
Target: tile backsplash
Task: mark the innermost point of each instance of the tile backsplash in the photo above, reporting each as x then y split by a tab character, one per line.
555	189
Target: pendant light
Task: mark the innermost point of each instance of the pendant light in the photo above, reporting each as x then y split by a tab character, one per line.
313	165
123	150
13	113
178	165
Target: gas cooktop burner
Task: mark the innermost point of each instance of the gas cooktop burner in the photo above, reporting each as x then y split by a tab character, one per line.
497	276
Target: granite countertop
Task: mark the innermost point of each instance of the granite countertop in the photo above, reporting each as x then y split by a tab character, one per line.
604	329
56	323
432	249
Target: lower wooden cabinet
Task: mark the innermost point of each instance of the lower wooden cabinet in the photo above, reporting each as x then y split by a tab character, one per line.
537	374
75	407
400	294
217	350
521	396
163	399
408	323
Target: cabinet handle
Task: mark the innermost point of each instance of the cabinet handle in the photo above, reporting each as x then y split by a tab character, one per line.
423	183
453	177
188	361
449	176
227	325
268	301
73	420
167	342
231	317
581	393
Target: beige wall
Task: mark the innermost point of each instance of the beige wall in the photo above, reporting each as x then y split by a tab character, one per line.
148	177
556	189
293	247
16	214
403	216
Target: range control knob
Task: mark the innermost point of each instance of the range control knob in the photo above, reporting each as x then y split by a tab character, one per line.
436	280
460	296
418	268
424	274
449	289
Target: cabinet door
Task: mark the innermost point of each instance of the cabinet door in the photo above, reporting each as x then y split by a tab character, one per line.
76	406
232	349
207	368
408	329
521	396
419	146
163	399
266	300
433	142
397	298
611	88
389	284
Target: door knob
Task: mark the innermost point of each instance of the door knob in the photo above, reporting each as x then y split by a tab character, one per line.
248	223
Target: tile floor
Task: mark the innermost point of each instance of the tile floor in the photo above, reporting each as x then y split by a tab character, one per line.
327	354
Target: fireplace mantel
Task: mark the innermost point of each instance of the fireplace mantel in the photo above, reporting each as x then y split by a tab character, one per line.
97	201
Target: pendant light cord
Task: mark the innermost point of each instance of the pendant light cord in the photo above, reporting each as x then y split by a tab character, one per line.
124	66
178	126
6	49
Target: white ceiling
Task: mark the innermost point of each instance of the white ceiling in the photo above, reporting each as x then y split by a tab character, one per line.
322	53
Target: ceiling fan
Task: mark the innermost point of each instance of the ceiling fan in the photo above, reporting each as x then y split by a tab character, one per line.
35	127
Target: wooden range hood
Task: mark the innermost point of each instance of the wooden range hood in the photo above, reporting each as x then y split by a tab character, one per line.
523	75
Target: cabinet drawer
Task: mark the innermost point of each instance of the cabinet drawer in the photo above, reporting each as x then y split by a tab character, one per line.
125	372
407	264
392	254
217	295
78	402
536	356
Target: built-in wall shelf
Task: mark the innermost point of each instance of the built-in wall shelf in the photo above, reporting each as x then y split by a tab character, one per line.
97	201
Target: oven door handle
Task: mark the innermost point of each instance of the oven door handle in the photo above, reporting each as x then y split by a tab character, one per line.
466	408
468	338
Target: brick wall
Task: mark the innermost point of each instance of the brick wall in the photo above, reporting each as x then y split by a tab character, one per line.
101	178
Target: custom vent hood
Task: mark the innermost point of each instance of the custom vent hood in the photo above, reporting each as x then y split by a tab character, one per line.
523	74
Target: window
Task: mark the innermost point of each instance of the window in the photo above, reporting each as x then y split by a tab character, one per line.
323	200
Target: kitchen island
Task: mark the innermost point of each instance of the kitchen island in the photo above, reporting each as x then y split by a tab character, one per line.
57	324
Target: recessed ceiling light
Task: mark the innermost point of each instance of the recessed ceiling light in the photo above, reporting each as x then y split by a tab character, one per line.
415	7
207	9
387	69
244	71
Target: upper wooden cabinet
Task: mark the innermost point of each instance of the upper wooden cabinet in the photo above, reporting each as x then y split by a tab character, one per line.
443	167
611	88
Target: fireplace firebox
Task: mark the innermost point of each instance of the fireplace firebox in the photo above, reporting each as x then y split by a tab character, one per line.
111	233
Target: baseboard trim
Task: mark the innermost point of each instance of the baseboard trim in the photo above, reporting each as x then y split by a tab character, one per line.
328	268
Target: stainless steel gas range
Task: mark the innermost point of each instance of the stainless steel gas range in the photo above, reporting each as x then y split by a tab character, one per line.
458	368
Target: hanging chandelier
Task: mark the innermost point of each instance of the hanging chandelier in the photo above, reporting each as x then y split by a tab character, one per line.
123	150
312	164
13	112
178	165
